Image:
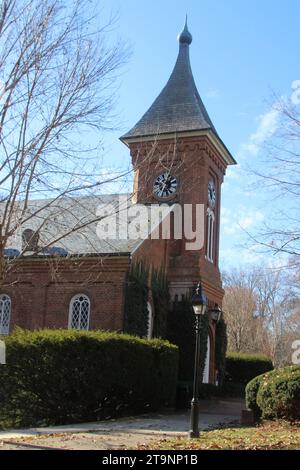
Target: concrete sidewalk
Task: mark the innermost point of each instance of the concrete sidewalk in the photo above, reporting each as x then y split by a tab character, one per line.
127	431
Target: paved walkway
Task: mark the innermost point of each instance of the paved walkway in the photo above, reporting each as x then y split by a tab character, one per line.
122	433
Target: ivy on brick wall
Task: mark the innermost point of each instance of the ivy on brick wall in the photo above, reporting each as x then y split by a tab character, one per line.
160	297
181	331
175	323
221	348
137	297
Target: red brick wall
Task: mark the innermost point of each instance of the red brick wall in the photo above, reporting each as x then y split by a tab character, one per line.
153	253
41	297
193	160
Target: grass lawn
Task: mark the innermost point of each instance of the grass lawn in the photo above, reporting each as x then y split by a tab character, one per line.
266	436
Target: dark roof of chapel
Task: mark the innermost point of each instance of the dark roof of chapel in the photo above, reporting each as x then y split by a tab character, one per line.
55	221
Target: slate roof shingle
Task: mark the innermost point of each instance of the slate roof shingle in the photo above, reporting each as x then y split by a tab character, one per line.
179	106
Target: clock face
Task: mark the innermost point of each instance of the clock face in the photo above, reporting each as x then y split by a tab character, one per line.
211	194
165	186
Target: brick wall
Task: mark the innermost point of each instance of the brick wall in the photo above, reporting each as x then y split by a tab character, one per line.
41	291
193	161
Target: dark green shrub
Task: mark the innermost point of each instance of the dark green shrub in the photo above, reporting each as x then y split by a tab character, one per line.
208	391
181	331
278	395
241	368
184	393
221	348
251	395
161	301
136	299
60	376
233	389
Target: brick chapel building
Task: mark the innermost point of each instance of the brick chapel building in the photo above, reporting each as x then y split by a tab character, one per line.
78	282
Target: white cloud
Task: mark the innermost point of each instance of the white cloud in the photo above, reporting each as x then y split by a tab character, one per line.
242	114
238	256
250	220
267	125
233	172
213	93
236	222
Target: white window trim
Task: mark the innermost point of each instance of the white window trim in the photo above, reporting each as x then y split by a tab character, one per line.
206	371
150	321
210	235
5	298
74	298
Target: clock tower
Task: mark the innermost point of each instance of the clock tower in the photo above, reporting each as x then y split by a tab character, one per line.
179	158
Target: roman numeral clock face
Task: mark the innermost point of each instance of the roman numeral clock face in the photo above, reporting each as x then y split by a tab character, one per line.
165	186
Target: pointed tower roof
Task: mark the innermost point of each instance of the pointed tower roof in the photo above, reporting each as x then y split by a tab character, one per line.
178	108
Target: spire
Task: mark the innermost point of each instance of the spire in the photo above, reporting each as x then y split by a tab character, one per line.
185	36
178	108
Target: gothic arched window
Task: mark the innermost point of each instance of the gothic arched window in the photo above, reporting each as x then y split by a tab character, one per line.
5	310
210	235
79	313
30	240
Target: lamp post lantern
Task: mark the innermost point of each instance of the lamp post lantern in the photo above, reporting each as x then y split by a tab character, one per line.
216	313
198	302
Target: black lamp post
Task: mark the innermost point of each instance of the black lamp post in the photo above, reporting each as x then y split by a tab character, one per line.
199	306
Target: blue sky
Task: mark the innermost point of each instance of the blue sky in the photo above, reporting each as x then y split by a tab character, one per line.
242	52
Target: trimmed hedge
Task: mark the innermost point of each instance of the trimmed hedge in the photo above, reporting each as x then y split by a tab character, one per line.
251	395
241	368
60	376
275	394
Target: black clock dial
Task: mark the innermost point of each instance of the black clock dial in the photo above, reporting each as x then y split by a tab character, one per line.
165	186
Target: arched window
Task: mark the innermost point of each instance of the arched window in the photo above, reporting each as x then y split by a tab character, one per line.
210	235
150	321
30	240
5	309
207	363
79	313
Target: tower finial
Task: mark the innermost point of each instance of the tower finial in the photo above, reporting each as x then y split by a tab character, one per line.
185	36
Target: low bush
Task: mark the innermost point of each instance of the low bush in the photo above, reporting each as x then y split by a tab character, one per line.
60	376
251	395
241	368
275	394
278	394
